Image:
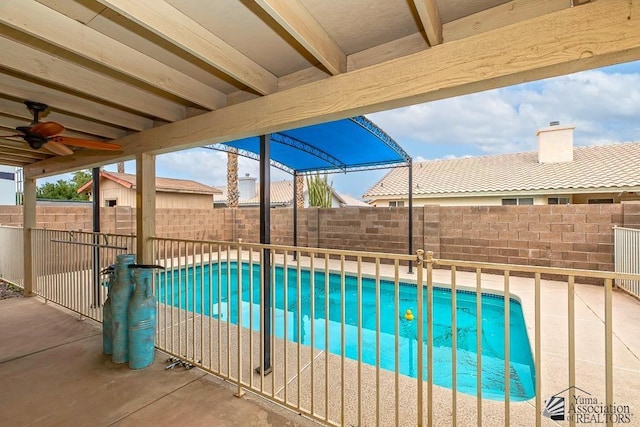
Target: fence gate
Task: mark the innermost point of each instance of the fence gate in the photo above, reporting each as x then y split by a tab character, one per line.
627	257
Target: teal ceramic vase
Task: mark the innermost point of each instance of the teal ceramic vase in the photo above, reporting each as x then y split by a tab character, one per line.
142	319
120	296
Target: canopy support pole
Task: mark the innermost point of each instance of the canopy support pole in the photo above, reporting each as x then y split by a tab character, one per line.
410	214
295	213
265	239
97	297
28	224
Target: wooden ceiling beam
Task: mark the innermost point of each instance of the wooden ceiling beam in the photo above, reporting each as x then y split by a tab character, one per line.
9	150
430	19
14	161
166	21
593	35
16	145
18	109
35	63
25	90
394	49
46	24
297	21
499	16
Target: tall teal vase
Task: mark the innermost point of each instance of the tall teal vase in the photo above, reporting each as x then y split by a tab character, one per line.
120	296
142	319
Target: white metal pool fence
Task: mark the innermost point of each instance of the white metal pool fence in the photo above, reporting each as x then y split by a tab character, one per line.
327	386
627	257
67	266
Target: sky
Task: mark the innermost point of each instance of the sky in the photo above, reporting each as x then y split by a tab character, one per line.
603	104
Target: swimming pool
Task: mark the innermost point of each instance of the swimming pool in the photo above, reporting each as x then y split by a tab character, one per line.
194	295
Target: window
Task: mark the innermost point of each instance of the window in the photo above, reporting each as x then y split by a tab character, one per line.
7	175
109	203
599	201
396	204
558	201
517	201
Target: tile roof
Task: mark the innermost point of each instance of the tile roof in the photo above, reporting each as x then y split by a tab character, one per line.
351	201
281	193
614	166
162	184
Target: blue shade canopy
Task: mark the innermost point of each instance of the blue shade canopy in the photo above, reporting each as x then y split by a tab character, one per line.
340	146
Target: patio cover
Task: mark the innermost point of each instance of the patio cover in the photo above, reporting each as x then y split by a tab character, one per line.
341	146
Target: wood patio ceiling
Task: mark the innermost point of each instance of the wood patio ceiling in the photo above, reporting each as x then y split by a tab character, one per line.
161	75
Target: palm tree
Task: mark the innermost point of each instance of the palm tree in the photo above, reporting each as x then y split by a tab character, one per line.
233	195
299	191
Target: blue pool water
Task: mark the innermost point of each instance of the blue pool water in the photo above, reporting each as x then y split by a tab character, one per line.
196	294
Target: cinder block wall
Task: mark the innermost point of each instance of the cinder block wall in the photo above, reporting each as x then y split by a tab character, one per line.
574	236
364	229
631	214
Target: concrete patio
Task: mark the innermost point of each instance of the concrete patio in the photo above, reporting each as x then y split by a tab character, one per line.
53	373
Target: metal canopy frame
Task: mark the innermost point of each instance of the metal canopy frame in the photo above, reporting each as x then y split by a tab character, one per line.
255	156
290	141
333	164
382	136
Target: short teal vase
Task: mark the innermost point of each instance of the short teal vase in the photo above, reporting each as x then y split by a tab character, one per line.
142	319
120	296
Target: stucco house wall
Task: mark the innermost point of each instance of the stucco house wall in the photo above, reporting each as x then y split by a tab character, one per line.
118	189
110	190
7	185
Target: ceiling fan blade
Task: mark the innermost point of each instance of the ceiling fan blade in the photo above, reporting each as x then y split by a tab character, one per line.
57	148
95	145
47	128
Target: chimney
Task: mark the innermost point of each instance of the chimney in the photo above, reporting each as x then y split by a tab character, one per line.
555	143
247	187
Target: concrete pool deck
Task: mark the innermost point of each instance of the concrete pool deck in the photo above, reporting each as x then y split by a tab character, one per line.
57	373
53	373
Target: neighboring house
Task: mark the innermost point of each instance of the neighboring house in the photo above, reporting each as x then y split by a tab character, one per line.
557	174
7	185
281	193
119	189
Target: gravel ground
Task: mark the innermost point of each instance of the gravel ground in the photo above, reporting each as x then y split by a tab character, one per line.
9	291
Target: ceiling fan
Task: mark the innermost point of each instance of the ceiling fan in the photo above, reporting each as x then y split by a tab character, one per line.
46	134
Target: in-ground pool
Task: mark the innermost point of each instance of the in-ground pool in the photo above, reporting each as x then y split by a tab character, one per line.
195	294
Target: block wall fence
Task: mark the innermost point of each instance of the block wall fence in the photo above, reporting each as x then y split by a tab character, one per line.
573	236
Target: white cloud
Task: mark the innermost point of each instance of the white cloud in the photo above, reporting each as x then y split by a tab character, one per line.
208	166
604	106
129	167
485	120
